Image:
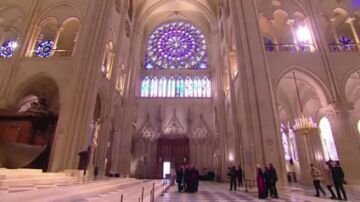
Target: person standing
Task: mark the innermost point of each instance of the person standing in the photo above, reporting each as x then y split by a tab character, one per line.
260	182
273	178
316	175
328	181
179	178
232	175
195	178
187	176
239	174
338	177
267	182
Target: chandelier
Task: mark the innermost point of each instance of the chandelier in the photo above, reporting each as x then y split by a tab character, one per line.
304	125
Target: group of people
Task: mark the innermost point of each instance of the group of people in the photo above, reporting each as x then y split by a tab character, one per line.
236	177
187	179
266	181
332	175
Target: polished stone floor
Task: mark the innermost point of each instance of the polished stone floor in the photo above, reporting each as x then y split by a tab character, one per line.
33	185
219	192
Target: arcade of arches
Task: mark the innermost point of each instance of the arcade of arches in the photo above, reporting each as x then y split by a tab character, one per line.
214	83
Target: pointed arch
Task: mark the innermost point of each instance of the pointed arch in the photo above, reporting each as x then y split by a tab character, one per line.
311	79
40	85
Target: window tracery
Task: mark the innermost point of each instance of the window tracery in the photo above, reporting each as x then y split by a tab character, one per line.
7	49
176	46
179	87
44	49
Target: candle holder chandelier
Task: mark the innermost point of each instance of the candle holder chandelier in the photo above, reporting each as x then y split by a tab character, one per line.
304	125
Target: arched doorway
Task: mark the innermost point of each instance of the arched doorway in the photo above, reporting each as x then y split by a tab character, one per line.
175	151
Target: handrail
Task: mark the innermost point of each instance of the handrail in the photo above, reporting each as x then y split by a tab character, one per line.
289	47
350	47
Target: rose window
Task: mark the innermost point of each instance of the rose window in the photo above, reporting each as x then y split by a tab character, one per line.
176	45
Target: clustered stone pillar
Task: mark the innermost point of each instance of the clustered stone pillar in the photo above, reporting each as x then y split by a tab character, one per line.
346	145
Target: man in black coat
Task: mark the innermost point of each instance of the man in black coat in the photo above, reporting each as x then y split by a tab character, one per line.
338	178
179	178
239	173
232	174
272	181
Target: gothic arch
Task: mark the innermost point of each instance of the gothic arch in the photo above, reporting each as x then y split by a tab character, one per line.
291	7
49	12
144	13
311	78
346	78
351	90
16	20
39	85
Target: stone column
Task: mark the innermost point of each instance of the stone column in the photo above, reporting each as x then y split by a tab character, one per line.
308	149
260	125
56	39
350	21
3	33
347	146
33	41
333	30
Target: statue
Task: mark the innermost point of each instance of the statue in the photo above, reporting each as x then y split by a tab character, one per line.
94	137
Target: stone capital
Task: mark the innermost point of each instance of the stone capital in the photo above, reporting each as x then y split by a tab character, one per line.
350	20
290	22
338	109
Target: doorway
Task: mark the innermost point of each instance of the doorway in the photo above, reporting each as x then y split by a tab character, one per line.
166	170
174	151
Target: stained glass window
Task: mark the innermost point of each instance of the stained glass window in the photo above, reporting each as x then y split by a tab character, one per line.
346	44
285	141
176	45
207	87
269	44
328	140
8	48
179	87
145	87
188	87
162	87
154	87
171	87
44	49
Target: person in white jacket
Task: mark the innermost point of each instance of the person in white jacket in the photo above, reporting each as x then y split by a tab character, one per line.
316	175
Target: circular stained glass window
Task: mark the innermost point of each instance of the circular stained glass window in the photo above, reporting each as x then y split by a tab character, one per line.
8	48
44	49
176	45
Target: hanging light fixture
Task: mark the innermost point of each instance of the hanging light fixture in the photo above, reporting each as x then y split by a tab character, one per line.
303	124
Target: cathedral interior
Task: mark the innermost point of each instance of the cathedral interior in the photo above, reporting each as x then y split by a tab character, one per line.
135	88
